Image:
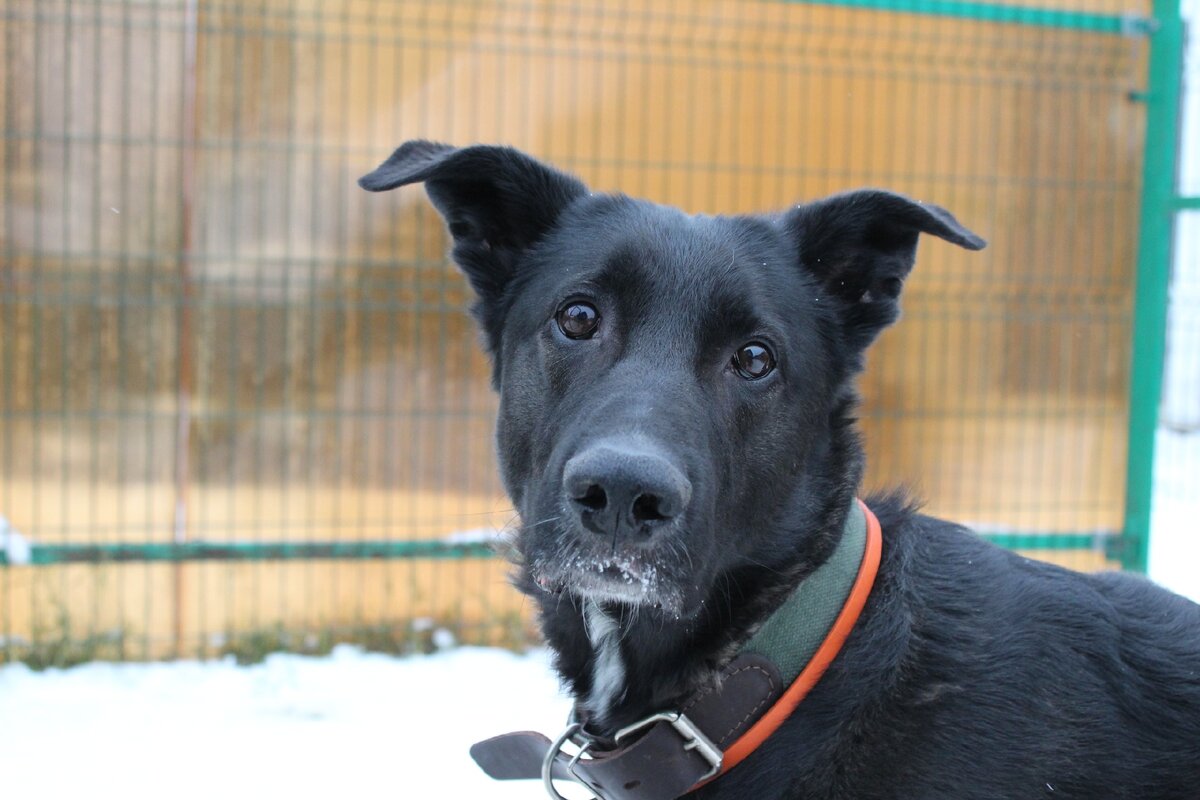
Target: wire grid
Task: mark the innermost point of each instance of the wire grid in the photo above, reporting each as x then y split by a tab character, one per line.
210	334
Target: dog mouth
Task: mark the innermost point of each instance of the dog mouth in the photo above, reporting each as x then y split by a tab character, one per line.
631	578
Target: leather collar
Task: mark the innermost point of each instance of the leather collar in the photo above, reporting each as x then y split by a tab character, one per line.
673	752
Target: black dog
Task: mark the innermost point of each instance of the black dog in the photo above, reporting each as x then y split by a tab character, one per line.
676	431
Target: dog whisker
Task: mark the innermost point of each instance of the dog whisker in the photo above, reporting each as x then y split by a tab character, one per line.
548	520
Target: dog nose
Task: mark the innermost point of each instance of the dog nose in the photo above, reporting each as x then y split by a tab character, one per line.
625	491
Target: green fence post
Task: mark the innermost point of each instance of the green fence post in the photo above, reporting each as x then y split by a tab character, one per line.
1153	274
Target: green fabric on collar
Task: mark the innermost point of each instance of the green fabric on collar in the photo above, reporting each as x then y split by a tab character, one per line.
793	633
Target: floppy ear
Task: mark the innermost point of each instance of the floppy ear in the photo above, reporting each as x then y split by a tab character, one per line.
496	201
861	246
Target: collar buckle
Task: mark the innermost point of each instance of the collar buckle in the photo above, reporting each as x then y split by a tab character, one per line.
693	738
575	734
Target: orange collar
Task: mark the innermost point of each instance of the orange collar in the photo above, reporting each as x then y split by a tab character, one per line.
828	649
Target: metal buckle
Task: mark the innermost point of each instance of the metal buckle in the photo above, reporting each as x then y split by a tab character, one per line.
693	738
573	734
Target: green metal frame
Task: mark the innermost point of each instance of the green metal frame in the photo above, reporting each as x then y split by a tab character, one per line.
997	13
1156	225
1164	32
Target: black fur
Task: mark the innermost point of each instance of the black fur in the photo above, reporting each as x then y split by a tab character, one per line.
973	672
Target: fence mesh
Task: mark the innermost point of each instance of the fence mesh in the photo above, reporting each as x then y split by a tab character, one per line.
209	334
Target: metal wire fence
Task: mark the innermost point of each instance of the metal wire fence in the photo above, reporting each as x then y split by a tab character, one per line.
241	406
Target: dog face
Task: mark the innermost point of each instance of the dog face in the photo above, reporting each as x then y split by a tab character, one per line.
651	393
668	382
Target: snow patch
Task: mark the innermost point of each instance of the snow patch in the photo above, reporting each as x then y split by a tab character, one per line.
348	725
443	639
17	548
1174	535
475	536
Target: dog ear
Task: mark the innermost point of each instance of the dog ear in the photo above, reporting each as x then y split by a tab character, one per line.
861	246
496	201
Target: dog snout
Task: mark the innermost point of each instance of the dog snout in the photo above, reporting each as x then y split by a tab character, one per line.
624	491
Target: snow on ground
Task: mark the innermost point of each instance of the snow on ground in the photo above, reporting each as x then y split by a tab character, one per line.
1175	517
352	725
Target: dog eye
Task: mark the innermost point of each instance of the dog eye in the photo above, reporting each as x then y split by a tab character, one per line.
753	361
578	320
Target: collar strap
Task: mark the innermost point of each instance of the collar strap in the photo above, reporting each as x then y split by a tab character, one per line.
671	753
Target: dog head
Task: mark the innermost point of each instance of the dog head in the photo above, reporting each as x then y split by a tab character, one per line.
674	388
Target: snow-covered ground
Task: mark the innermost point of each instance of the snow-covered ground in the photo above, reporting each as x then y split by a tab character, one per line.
352	725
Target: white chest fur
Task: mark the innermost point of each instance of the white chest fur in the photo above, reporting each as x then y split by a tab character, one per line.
608	670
